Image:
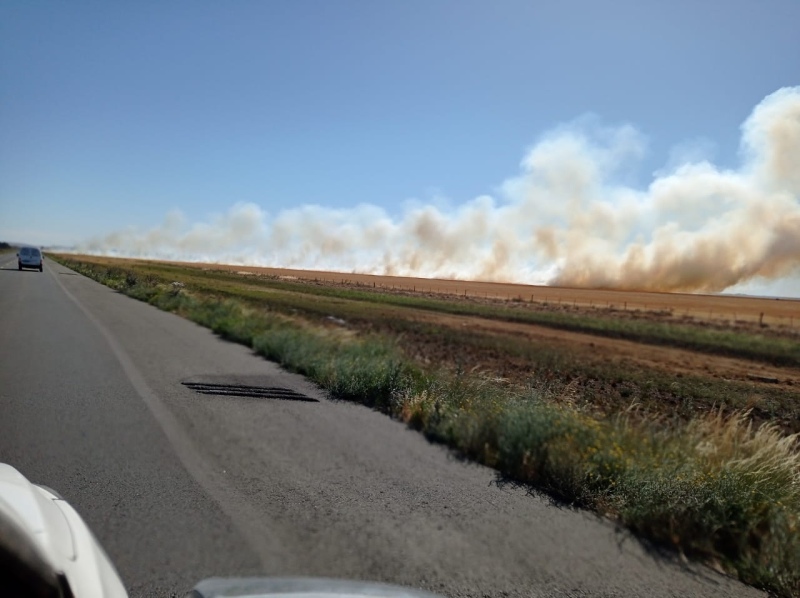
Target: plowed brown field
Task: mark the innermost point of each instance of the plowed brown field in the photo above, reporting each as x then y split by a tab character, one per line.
776	312
781	313
780	316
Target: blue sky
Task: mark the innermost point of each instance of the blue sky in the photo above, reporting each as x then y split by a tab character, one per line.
114	114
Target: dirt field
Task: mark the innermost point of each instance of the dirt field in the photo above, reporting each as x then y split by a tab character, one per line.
668	359
728	308
780	314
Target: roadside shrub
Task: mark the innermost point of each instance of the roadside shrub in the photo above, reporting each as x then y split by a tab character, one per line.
368	370
718	487
714	488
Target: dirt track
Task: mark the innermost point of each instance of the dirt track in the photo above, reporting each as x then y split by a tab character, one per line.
668	359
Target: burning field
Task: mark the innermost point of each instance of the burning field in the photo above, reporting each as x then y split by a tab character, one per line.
624	383
569	218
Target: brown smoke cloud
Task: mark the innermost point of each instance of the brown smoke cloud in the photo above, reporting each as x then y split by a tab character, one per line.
561	221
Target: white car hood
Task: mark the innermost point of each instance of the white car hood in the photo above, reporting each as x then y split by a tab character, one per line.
60	535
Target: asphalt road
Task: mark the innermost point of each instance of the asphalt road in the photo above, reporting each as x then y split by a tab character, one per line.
179	486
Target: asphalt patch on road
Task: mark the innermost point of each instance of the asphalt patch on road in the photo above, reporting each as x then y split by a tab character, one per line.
233	388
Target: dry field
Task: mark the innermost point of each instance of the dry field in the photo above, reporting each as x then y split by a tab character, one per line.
780	315
781	318
715	308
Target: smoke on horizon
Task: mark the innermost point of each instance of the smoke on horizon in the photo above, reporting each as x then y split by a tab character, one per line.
563	220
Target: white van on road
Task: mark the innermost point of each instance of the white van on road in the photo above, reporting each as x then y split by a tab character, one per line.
30	257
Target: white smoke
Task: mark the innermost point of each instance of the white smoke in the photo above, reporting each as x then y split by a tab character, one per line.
563	220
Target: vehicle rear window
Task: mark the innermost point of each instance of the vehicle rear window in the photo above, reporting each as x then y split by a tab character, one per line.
34	253
25	251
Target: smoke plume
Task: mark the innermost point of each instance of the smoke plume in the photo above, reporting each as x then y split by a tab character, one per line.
563	220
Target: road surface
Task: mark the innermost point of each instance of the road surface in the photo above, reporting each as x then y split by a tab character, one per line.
179	486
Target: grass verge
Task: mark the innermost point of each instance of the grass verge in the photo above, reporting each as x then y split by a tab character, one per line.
715	487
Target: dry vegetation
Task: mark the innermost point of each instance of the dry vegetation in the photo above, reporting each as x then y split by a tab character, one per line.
648	408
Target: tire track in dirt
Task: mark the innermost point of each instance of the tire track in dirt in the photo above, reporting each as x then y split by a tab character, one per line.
667	359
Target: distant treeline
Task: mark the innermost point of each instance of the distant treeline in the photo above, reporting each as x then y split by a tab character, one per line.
4	245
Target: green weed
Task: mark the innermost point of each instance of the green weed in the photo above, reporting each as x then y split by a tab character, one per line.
713	488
